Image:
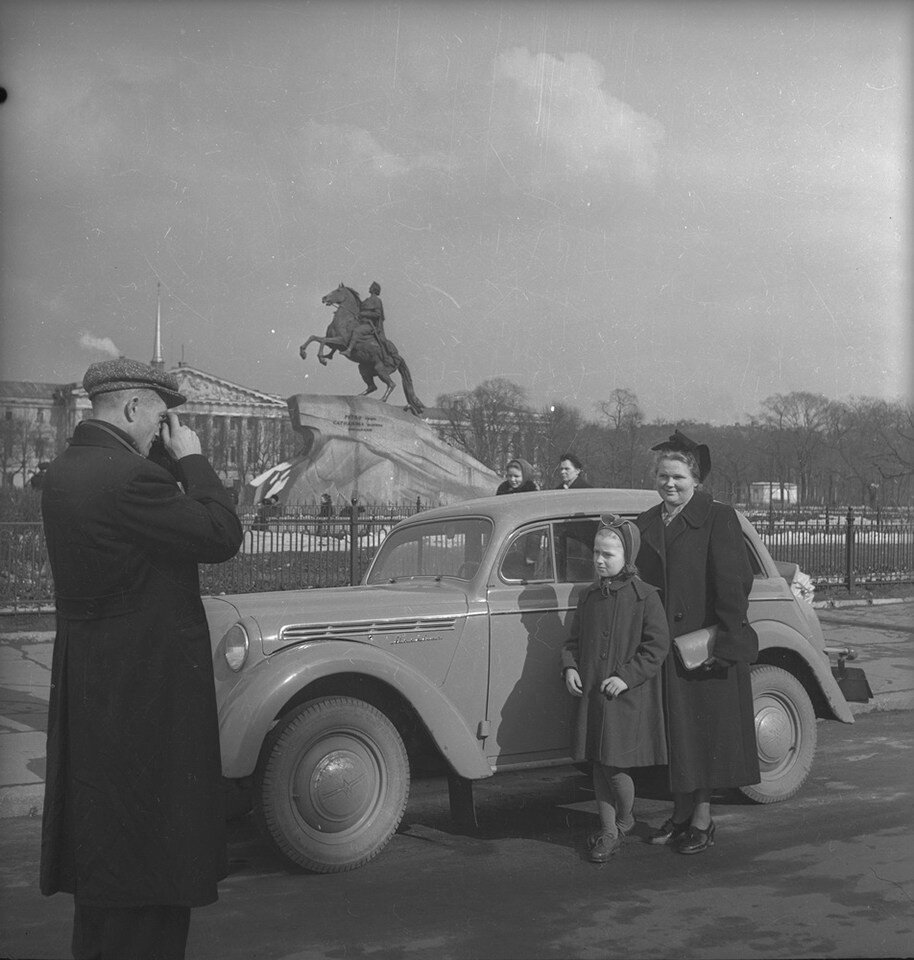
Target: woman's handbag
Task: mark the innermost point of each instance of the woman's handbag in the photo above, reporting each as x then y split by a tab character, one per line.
696	647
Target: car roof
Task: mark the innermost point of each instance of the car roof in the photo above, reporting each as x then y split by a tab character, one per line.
545	504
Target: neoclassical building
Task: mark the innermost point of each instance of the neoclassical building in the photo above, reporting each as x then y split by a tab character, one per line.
243	431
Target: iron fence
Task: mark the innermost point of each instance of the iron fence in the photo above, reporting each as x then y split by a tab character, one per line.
302	548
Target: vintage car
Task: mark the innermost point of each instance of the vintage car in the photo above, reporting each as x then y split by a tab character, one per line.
449	652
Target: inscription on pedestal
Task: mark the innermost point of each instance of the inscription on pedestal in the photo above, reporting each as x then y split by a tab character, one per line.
357	421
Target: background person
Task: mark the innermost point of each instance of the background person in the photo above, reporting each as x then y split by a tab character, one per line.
518	478
619	638
133	814
571	473
692	548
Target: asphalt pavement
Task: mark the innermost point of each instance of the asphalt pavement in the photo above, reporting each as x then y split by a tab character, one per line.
829	873
881	631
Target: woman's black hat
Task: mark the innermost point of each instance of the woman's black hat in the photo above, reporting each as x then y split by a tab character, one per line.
680	443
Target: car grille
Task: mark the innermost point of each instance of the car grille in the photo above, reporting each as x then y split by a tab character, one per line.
324	631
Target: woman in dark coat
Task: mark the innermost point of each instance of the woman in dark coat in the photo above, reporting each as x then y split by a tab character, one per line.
692	548
518	478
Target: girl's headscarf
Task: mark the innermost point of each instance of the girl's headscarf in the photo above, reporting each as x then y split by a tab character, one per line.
526	470
630	536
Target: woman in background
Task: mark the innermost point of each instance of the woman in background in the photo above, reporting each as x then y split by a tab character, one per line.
518	478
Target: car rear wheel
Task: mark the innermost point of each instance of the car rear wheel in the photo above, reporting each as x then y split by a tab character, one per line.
331	785
785	731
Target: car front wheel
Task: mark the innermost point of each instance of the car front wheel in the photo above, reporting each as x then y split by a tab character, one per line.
785	732
331	785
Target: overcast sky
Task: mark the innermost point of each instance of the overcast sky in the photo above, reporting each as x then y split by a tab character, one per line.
705	203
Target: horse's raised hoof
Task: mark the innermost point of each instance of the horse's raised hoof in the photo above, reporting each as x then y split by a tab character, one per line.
322	360
302	352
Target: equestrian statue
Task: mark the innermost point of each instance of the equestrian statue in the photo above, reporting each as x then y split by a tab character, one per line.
357	332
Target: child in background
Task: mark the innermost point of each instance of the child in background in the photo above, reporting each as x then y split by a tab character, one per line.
619	639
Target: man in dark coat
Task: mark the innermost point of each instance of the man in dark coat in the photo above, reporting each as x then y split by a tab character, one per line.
571	471
133	820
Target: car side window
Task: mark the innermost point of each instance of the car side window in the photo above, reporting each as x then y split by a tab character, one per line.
574	550
754	562
528	558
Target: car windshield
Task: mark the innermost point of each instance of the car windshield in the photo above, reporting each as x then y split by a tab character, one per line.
444	548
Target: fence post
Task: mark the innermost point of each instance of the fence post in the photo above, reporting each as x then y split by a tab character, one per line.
353	540
849	550
418	504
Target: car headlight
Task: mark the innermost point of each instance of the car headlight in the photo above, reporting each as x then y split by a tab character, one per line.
235	647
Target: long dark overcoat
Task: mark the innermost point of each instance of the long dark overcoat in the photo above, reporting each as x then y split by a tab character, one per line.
620	633
579	483
700	564
133	809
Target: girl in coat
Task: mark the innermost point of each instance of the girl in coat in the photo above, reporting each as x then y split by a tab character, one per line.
692	548
619	639
518	478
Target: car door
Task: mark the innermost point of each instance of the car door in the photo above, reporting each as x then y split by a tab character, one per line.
531	597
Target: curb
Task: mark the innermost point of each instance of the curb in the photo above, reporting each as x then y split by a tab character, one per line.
885	703
872	602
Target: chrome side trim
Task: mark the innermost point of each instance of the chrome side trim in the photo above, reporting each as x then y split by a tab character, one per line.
322	631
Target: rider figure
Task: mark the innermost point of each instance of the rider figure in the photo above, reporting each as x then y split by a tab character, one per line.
371	324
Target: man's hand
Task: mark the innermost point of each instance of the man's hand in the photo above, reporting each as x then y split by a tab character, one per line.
573	682
180	441
613	686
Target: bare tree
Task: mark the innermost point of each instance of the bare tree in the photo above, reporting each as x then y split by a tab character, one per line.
876	449
797	424
491	422
23	443
736	462
623	416
562	433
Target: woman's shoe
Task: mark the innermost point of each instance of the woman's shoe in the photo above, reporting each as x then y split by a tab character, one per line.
669	830
695	840
605	847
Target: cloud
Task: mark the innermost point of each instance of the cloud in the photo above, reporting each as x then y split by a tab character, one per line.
340	154
103	344
553	118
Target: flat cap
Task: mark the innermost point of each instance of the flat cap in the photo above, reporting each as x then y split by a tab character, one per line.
125	374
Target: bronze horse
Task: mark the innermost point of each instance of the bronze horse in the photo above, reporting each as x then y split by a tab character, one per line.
372	359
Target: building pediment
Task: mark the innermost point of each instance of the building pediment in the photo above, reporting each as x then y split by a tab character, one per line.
202	387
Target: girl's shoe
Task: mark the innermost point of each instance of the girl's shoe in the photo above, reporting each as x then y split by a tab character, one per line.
625	828
668	831
605	847
695	840
623	831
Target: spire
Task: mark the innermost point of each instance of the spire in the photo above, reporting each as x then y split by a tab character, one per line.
158	363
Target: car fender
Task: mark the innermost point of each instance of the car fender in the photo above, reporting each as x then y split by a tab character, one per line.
248	711
773	634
